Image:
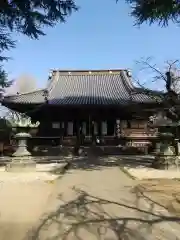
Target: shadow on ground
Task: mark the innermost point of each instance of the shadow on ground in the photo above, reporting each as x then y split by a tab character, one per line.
96	162
90	217
93	158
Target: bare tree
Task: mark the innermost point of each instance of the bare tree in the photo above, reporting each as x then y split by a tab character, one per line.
169	109
23	84
170	77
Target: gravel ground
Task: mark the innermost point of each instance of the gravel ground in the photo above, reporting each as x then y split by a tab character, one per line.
164	192
44	172
150	173
98	204
21	205
94	203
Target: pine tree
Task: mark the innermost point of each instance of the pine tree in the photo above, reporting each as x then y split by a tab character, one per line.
28	17
151	11
4	82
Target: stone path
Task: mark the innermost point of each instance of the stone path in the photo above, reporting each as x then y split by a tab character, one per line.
98	204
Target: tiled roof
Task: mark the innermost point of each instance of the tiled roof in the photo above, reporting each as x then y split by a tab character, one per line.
85	88
35	97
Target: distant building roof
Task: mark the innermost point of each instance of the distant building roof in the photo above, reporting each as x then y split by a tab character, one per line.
101	87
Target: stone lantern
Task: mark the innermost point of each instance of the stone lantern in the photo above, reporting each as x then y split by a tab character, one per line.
21	159
167	146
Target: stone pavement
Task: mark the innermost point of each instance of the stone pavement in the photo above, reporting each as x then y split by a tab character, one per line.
98	204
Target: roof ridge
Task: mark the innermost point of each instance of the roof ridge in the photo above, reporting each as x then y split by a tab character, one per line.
88	70
20	94
88	74
127	80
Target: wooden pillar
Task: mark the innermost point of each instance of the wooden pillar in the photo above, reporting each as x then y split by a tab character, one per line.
65	128
114	128
99	129
78	131
92	132
61	133
78	137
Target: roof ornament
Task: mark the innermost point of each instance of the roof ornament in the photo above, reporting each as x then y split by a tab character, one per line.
50	74
129	73
46	95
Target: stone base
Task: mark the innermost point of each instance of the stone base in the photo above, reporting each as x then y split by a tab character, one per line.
166	162
20	153
24	164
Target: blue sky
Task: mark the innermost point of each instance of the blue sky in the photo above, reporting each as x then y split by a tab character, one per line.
100	35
